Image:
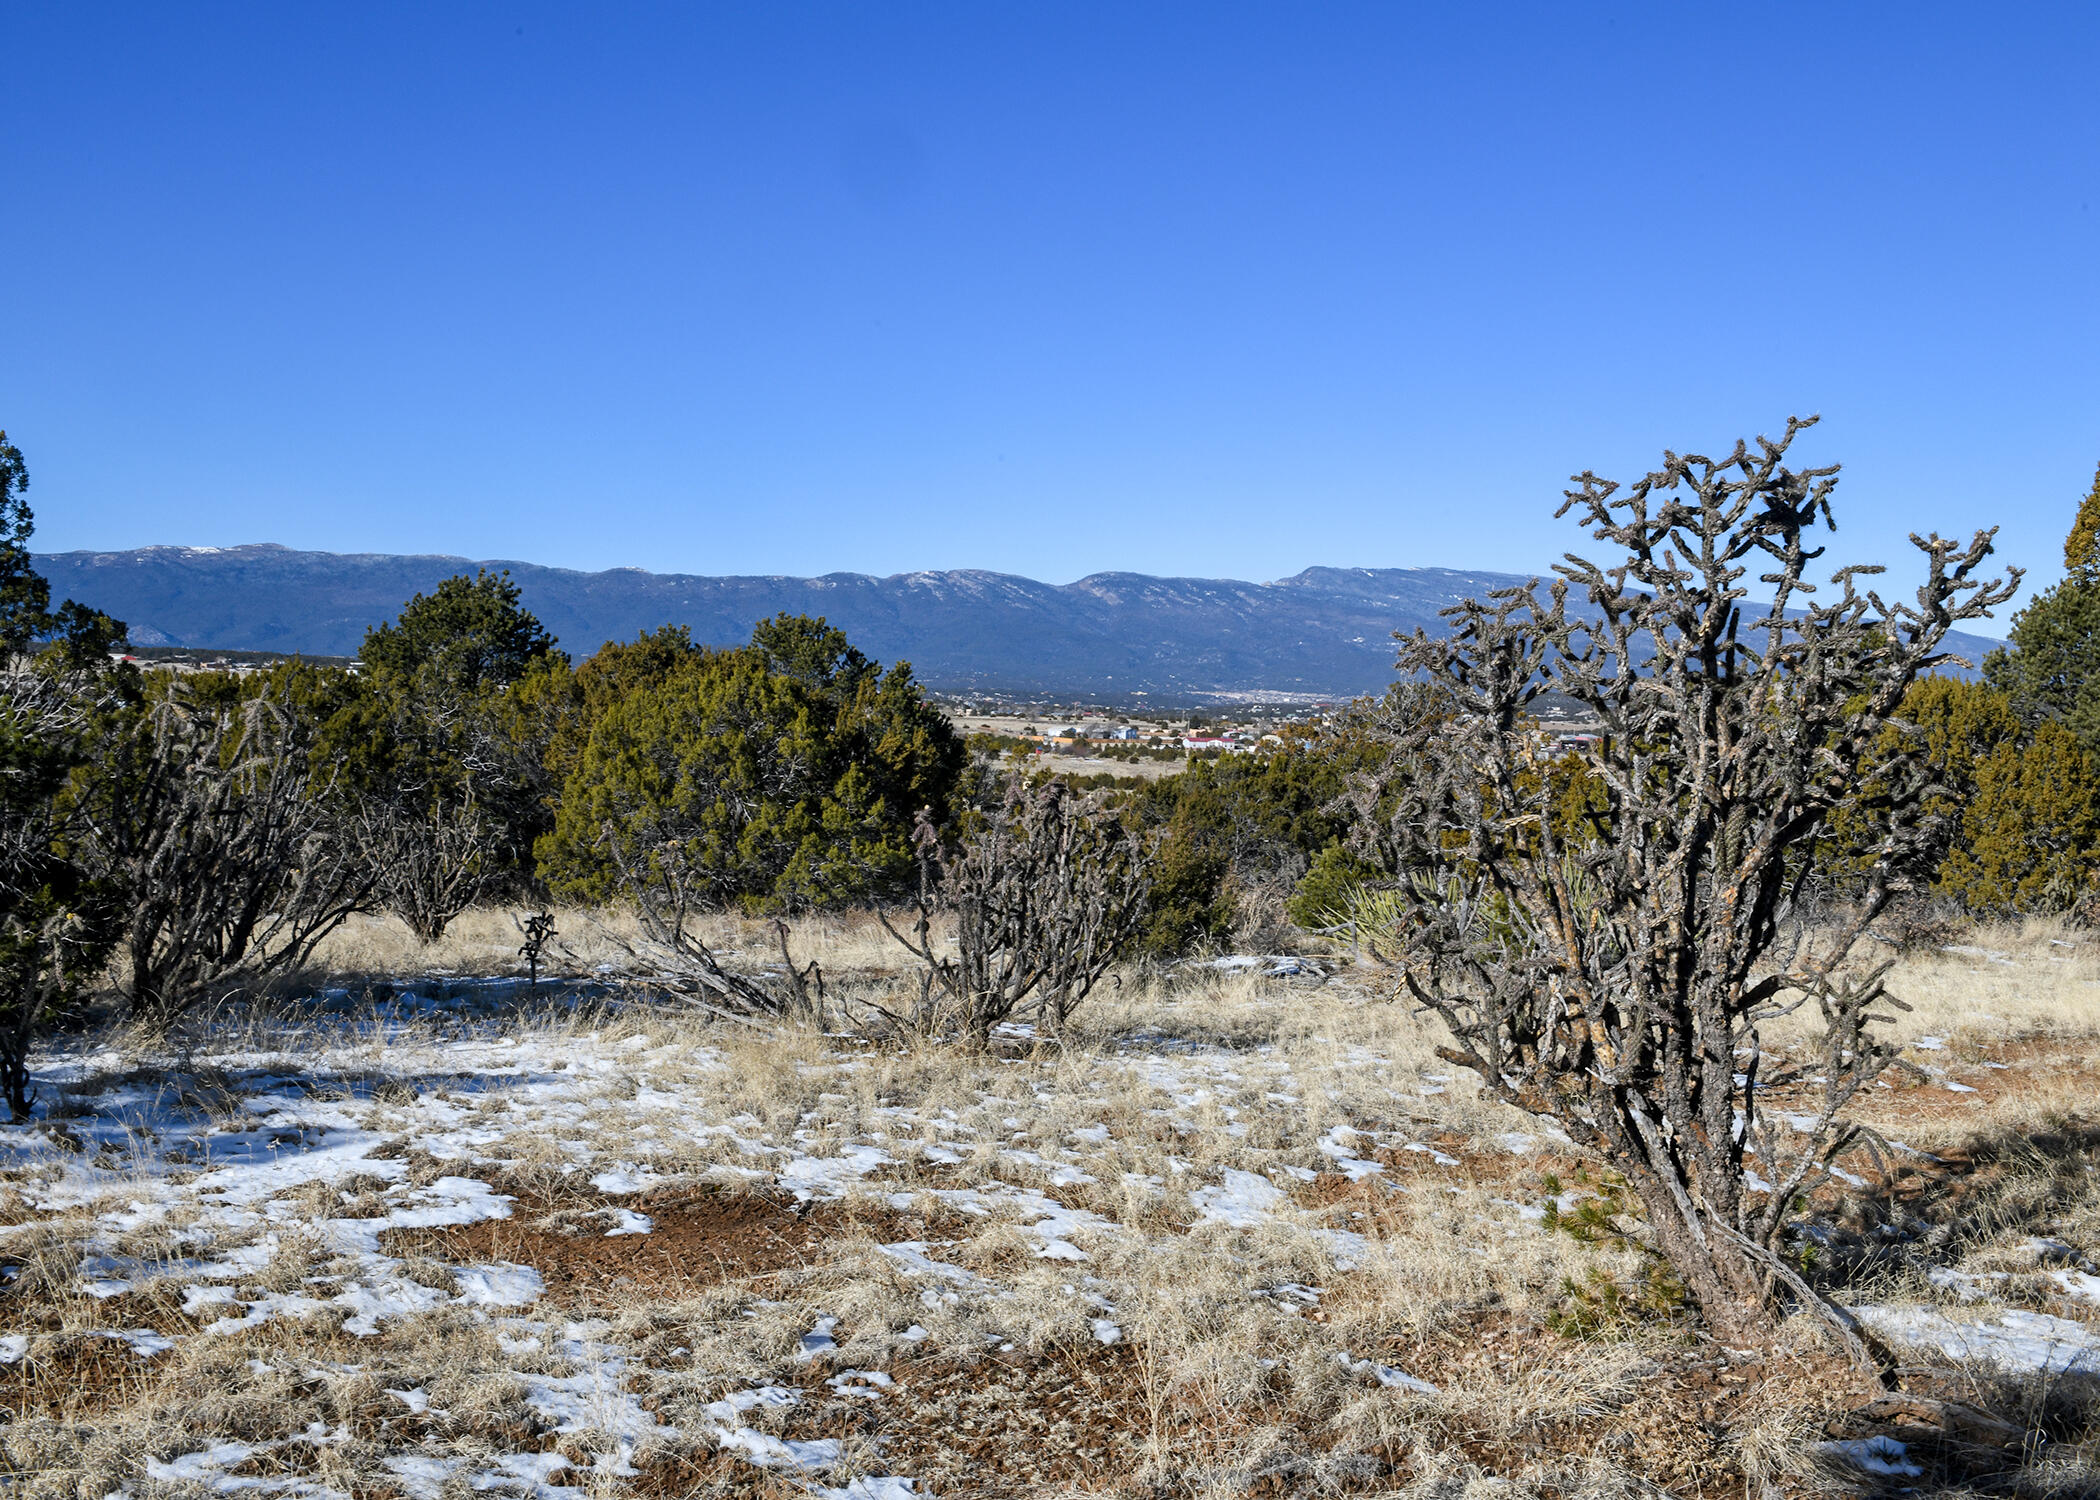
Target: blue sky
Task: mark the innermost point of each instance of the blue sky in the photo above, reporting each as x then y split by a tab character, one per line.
1052	289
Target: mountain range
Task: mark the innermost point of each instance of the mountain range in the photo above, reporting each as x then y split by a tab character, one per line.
1323	632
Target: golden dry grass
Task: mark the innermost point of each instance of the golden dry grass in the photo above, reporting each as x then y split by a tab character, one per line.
1223	1380
485	940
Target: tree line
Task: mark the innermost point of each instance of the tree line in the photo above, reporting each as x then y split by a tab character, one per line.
176	838
194	834
186	836
1602	933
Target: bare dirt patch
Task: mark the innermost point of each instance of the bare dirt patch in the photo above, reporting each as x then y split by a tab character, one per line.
1016	1423
702	1234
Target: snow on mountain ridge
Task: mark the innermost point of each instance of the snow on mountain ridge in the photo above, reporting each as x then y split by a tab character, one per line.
1323	631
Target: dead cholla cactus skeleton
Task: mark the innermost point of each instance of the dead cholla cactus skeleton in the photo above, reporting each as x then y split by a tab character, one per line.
668	890
55	917
538	931
1046	896
214	819
1615	977
440	825
432	858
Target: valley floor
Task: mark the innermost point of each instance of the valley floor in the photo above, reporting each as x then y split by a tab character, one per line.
1245	1235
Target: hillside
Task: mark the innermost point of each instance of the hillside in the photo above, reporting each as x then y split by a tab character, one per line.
1325	631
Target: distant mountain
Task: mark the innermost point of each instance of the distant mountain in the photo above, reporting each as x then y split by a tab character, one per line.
1324	632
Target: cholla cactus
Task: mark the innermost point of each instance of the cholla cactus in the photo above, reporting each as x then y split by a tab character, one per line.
57	919
669	890
1046	896
209	812
1612	972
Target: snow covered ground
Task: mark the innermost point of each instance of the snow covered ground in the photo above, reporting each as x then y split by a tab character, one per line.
425	1252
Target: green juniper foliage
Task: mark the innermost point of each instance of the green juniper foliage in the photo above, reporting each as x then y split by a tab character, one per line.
2023	752
467	639
2082	545
442	771
785	774
57	918
2052	670
1244	821
2030	829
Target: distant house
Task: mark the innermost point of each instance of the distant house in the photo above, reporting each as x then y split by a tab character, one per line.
1209	742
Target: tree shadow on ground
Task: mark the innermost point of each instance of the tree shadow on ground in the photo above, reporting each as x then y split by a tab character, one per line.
1983	1223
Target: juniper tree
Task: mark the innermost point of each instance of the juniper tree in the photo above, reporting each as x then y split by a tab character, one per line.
467	639
2082	543
2051	668
2029	827
1957	726
1616	976
445	803
55	915
782	775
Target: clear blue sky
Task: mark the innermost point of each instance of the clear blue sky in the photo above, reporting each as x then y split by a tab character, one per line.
1200	289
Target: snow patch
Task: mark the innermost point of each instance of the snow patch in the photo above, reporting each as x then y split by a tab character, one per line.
2016	1341
1242	1201
1386	1375
1879	1454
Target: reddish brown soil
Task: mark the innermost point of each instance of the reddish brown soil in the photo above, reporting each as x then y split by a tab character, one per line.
1090	1420
1917	1100
702	1235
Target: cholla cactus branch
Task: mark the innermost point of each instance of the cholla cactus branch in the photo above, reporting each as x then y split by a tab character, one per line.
212	814
1613	975
1045	897
668	892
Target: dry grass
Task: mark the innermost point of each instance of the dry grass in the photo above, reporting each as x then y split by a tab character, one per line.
484	941
1247	1347
2003	981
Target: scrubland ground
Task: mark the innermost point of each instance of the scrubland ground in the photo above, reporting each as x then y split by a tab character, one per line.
1241	1235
